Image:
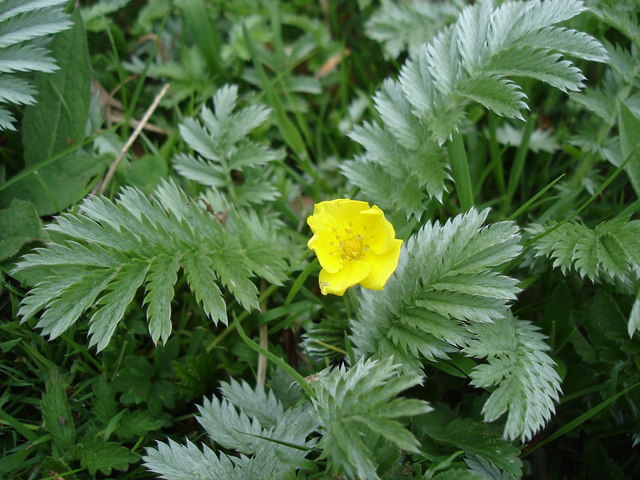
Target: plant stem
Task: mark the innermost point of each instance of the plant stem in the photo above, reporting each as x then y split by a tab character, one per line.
299	379
460	171
264	341
519	160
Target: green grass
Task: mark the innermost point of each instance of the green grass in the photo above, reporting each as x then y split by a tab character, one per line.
68	411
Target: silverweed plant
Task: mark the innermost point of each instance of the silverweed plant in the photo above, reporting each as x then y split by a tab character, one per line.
204	277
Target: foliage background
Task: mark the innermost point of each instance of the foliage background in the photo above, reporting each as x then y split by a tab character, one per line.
504	347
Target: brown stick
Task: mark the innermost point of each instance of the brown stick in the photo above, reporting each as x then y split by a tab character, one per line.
125	148
262	360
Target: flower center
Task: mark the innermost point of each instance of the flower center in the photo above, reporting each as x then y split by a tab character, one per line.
353	248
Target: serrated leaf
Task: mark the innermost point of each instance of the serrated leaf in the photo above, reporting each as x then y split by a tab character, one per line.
608	250
197	268
187	462
469	61
105	406
235	276
220	139
16	90
395	113
120	293
98	455
408	25
500	95
252	155
163	274
354	404
116	246
198	138
44	291
137	424
11	8
6	120
31	24
56	412
326	338
199	170
419	309
567	41
255	402
517	363
228	427
596	102
483	469
541	65
69	303
26	58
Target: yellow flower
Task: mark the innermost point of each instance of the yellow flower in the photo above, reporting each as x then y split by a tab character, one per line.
354	244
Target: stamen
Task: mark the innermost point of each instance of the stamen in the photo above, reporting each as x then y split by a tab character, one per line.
353	248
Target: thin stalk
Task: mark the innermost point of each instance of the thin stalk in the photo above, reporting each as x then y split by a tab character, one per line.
264	341
267	293
526	206
228	177
132	138
496	154
299	379
566	428
47	190
460	171
519	161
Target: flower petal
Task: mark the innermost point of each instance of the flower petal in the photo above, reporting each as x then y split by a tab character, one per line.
382	266
336	214
325	246
351	274
377	231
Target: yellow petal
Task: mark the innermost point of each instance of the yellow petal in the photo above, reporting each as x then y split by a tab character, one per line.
350	274
377	231
338	214
326	249
382	266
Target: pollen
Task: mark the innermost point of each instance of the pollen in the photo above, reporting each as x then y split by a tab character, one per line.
353	248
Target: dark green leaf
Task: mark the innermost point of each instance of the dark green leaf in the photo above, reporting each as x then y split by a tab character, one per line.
19	224
96	454
134	380
56	413
105	406
475	438
629	143
137	424
146	172
57	186
59	119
